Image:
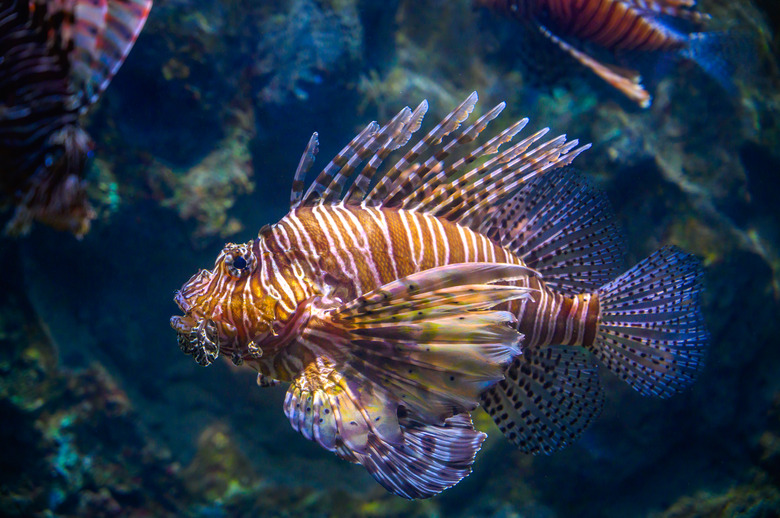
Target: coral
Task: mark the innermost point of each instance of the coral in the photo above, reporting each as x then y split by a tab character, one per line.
72	440
741	501
219	471
206	191
314	38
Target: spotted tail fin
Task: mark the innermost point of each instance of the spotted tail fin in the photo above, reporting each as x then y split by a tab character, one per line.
651	330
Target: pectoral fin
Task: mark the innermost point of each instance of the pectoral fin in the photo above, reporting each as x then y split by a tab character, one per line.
360	422
430	338
339	413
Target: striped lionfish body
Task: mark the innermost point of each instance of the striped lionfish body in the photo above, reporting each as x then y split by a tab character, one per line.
397	300
616	25
57	58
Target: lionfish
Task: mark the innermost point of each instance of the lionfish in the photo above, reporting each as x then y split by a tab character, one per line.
395	301
621	26
56	58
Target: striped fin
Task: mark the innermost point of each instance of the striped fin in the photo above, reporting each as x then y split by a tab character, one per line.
682	9
321	183
628	82
104	33
334	410
440	185
651	330
307	159
432	171
361	422
564	228
419	286
429	336
450	123
42	148
548	398
433	458
362	183
382	139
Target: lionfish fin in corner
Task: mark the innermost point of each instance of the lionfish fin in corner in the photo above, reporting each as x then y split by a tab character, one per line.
102	32
562	227
430	337
651	329
362	423
548	398
628	82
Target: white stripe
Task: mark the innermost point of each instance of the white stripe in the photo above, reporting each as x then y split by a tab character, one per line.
367	254
434	243
462	233
381	222
410	240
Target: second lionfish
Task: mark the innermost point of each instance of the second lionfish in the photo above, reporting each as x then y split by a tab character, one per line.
395	301
56	58
624	26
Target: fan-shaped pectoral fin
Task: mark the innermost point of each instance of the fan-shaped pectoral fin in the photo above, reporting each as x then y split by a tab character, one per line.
362	423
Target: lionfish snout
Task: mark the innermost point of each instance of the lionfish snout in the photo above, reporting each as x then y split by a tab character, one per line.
194	291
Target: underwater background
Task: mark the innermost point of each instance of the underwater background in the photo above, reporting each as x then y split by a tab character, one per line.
198	137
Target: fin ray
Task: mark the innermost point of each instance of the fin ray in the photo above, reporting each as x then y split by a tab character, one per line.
652	331
548	398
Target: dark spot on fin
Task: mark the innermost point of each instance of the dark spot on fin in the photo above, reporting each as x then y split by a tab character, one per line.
651	330
548	399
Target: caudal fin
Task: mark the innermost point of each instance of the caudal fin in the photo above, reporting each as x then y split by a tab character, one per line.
651	330
723	56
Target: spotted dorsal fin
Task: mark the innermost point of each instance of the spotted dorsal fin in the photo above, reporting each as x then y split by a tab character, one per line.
563	227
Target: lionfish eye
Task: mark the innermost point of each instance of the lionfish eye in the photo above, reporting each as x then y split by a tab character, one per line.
239	262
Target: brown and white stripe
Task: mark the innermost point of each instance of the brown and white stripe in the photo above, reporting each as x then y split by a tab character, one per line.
368	247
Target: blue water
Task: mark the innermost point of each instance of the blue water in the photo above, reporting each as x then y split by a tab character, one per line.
198	137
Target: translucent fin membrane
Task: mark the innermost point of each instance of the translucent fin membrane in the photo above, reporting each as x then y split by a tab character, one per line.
433	458
652	330
564	228
549	397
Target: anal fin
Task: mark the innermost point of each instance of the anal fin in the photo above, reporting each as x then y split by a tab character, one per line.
548	399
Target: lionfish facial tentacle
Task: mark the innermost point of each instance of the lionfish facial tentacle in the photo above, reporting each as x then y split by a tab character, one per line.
197	338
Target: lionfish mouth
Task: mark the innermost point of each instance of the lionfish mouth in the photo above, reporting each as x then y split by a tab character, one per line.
198	337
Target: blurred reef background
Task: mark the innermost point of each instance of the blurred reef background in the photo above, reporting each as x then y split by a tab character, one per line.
197	140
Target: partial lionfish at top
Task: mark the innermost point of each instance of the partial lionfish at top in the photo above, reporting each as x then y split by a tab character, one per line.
621	26
57	58
472	271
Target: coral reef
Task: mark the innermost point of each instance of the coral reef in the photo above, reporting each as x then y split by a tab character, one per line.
205	123
207	191
72	442
311	42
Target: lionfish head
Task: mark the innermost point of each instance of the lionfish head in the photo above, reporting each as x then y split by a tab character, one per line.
214	302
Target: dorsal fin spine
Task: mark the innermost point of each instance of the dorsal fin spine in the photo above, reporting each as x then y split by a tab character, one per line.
445	127
307	159
324	178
